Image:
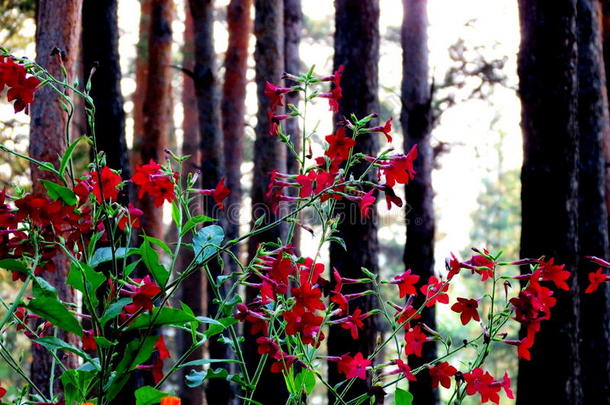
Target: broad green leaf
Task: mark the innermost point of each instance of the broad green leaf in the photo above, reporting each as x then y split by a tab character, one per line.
150	257
194	221
202	362
206	242
53	343
136	354
65	159
56	192
104	254
176	214
402	397
195	378
193	324
42	288
94	280
148	396
159	243
163	316
306	381
114	310
216	326
50	309
14	265
103	342
75	382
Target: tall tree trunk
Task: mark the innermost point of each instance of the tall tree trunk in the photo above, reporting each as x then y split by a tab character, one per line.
606	142
415	119
269	154
293	23
548	90
193	292
57	26
141	80
218	391
233	108
157	104
357	48
592	211
101	49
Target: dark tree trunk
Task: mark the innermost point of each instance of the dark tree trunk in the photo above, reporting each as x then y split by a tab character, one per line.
239	19
157	104
141	80
548	91
57	26
269	154
606	142
293	22
416	119
592	211
194	291
101	49
357	48
218	391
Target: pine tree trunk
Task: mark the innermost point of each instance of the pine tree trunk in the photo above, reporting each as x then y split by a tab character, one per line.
293	23
269	154
58	25
416	119
157	104
606	142
357	48
101	49
548	91
592	211
141	80
194	291
233	108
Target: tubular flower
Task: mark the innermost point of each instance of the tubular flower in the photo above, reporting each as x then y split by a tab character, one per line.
467	308
404	369
415	340
104	183
595	279
399	168
441	374
353	367
151	180
435	291
219	193
406	283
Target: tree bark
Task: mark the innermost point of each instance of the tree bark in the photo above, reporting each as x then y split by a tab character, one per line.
293	23
57	26
194	292
548	90
592	211
606	142
101	49
233	108
157	111
141	80
357	48
416	119
269	154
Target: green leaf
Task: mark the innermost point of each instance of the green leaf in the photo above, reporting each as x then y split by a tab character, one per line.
65	159
104	254
50	309
193	324
193	222
162	316
176	214
75	382
338	240
94	280
103	342
14	265
206	242
151	260
131	267
42	288
202	362
148	395
136	354
52	343
159	243
114	310
216	326
250	401
402	397
306	381
56	192
195	378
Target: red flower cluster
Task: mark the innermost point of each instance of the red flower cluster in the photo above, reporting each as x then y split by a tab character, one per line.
153	181
598	277
335	93
218	194
481	382
21	87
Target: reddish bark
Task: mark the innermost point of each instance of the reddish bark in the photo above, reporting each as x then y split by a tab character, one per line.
157	104
141	80
416	122
58	26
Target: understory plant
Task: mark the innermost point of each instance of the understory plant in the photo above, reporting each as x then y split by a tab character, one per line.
127	289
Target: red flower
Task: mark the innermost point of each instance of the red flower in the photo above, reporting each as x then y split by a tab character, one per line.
131	217
453	266
482	382
415	340
404	369
408	313
275	94
441	374
399	169
353	367
310	272
284	362
88	340
406	283
434	291
339	145
595	279
365	202
385	129
306	324
22	88
219	193
153	181
390	196
353	322
308	298
2	392
267	346
335	94
109	181
481	265
141	294
549	271
162	349
467	308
